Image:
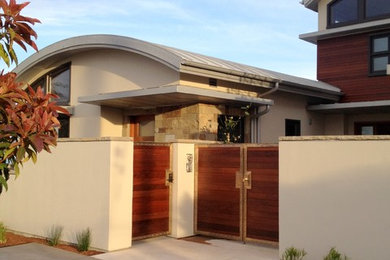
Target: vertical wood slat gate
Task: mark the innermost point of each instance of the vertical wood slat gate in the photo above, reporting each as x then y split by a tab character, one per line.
237	192
151	192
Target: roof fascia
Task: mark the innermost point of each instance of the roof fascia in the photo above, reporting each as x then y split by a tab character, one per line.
303	90
349	106
90	42
311	4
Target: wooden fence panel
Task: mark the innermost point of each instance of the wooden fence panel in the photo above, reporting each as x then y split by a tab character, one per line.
150	194
263	197
218	201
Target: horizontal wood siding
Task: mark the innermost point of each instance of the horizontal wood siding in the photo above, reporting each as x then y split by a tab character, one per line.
218	204
263	197
150	194
344	62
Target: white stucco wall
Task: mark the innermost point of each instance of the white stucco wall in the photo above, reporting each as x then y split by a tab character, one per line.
289	106
82	184
334	192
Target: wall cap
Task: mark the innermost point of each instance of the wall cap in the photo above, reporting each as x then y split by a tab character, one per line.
95	139
336	138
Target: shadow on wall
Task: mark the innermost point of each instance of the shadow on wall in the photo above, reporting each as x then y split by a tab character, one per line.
346	207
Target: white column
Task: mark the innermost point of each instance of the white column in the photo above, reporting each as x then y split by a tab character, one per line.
183	193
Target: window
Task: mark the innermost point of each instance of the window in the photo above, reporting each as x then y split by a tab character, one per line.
292	127
231	129
213	82
377	8
60	85
372	128
344	12
57	82
63	131
380	53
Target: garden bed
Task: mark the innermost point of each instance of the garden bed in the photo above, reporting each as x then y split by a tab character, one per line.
15	239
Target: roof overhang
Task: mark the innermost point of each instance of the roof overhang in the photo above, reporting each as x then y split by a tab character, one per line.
352	107
311	4
371	26
170	96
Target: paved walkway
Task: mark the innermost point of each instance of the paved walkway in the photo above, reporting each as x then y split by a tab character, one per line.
164	248
34	251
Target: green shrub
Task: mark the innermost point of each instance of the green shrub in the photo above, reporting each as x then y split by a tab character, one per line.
293	253
335	255
54	235
83	240
3	237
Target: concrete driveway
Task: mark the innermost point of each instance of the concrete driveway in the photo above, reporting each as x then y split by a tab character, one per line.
34	251
165	248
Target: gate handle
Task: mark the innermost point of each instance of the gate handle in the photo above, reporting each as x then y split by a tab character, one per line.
247	180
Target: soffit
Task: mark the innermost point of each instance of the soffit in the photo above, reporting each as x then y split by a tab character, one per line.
371	26
311	4
353	107
169	96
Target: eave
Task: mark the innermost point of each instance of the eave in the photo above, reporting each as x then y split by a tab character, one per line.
371	26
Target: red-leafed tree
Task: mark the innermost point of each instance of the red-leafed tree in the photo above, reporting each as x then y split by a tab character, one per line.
28	118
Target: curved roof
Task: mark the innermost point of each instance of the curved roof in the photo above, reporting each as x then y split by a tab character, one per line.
171	57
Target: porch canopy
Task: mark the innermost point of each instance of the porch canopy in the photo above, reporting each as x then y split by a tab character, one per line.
172	95
380	106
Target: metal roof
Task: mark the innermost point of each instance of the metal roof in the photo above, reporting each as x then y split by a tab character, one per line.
178	60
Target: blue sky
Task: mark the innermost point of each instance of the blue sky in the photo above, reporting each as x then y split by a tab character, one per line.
260	33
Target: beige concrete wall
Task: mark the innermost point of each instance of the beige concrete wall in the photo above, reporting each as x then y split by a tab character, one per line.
334	124
183	190
334	193
112	122
106	71
323	14
289	106
81	184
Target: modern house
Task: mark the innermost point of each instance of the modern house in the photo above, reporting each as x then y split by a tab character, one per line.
353	41
119	87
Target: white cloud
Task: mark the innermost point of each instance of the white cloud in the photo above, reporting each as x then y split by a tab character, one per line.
241	30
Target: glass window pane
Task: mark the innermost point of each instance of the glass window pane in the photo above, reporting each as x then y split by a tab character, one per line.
39	83
344	11
380	63
367	130
60	85
381	44
63	132
377	8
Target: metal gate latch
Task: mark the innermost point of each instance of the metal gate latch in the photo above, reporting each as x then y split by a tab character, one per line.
168	177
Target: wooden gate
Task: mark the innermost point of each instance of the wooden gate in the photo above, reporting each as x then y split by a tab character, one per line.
151	191
237	192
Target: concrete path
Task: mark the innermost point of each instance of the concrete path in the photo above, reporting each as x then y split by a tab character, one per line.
164	248
34	251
